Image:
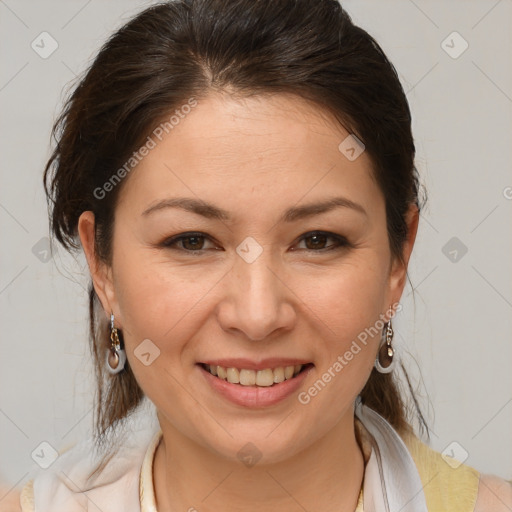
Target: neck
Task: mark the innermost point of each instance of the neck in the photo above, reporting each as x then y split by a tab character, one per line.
326	476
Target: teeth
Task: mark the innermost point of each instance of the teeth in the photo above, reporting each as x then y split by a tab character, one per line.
221	372
265	378
247	377
279	375
233	375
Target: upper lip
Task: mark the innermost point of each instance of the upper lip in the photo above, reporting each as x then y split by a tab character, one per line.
242	363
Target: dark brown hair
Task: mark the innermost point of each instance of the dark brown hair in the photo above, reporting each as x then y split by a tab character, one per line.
180	49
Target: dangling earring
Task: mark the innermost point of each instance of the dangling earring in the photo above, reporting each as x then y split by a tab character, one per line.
116	356
385	362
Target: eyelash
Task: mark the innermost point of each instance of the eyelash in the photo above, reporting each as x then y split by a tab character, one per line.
341	242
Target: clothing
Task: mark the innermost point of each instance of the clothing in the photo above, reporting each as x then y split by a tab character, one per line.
404	475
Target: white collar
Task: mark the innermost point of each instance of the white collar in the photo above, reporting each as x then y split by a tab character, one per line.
391	482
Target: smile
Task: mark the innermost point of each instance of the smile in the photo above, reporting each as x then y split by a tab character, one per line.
260	378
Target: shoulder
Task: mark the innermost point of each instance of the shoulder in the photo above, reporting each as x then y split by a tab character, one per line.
17	499
494	494
9	499
448	484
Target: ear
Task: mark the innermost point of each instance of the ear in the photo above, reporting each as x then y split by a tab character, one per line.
101	273
398	270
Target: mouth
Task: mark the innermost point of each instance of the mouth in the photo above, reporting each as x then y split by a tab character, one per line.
245	377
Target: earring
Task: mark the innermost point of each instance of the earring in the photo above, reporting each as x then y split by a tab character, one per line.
384	362
116	356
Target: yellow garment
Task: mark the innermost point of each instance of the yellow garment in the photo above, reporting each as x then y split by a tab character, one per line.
446	489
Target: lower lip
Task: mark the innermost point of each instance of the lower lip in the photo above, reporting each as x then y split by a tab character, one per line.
255	396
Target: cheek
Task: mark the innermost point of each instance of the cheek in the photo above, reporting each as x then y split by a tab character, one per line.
350	298
159	301
157	318
348	305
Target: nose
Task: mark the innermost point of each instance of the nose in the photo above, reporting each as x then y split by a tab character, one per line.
258	301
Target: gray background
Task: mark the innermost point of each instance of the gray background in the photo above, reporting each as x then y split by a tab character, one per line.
457	332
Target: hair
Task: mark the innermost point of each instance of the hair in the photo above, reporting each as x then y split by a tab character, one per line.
183	49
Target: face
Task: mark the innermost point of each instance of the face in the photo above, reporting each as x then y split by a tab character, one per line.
257	279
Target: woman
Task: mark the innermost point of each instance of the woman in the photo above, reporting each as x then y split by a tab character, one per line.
240	176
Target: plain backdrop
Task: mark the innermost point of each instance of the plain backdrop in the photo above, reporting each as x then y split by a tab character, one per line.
454	61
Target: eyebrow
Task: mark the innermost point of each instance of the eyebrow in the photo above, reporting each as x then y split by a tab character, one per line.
210	211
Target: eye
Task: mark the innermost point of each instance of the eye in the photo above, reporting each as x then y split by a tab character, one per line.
190	242
318	239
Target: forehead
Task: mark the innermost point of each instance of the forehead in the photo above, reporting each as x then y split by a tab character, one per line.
251	152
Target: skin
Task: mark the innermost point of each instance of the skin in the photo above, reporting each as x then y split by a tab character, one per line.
255	158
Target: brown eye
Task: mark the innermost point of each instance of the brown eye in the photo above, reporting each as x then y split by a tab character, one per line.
193	242
188	242
317	241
